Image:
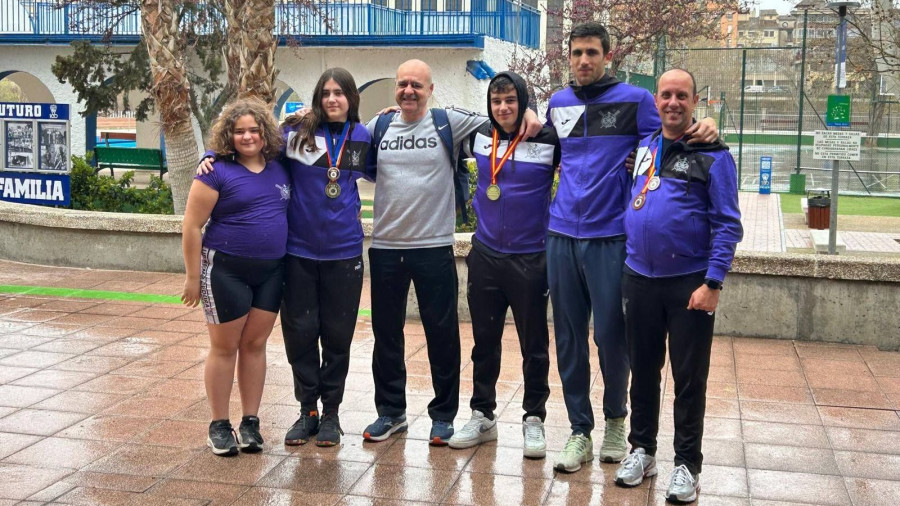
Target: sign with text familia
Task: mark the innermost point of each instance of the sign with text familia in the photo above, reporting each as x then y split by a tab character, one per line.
837	145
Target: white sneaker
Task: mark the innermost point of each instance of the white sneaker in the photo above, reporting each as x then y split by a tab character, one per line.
476	431
683	486
578	450
636	466
535	442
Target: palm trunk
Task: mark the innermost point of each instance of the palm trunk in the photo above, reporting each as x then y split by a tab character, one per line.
170	89
256	47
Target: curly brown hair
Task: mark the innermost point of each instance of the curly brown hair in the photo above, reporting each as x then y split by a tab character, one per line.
221	136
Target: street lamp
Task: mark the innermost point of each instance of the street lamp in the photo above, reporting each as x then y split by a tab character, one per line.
840	81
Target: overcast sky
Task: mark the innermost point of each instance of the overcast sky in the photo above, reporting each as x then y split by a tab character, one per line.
782	6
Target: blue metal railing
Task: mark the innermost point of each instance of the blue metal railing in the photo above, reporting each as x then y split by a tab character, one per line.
508	20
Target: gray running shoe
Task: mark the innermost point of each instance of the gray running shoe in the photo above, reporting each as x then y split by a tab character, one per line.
636	466
683	486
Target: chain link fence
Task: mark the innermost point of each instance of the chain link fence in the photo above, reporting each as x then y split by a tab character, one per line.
756	97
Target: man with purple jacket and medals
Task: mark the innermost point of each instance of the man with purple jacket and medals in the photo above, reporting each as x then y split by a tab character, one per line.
682	225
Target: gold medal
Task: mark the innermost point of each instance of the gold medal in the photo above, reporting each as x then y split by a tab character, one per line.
333	173
493	192
332	190
638	202
654	183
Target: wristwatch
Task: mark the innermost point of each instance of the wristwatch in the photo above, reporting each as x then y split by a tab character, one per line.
712	284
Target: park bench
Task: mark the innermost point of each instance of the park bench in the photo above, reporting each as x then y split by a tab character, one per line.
106	137
129	159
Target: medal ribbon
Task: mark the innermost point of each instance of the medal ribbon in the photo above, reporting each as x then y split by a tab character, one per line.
495	165
655	162
331	146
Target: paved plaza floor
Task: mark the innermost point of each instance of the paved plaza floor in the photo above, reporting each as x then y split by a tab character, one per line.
102	402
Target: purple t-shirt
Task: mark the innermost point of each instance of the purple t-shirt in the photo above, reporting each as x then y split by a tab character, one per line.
250	217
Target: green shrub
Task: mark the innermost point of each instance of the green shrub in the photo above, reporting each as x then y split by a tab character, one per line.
92	192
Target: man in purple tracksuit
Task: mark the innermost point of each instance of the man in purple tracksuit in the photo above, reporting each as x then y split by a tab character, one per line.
507	264
682	225
599	121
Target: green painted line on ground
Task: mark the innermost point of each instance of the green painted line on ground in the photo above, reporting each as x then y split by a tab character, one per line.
89	294
76	293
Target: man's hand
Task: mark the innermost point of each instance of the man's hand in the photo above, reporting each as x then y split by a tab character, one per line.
629	162
704	299
388	110
531	126
704	131
206	166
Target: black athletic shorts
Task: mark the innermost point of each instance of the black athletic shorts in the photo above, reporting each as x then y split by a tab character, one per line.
231	285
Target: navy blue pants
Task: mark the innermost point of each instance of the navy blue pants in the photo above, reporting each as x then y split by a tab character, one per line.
585	277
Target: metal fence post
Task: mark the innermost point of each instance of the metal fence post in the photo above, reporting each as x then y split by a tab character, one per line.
801	87
741	128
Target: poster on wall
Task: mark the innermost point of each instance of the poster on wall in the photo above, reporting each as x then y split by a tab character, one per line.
36	153
19	141
53	139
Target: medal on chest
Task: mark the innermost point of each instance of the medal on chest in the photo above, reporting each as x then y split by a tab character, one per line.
335	152
493	190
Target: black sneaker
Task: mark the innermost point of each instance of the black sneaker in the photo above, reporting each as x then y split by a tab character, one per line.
221	438
329	431
303	429
248	437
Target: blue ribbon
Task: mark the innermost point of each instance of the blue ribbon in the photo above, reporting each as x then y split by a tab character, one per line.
332	147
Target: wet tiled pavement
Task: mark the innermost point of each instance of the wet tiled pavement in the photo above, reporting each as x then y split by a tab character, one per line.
102	402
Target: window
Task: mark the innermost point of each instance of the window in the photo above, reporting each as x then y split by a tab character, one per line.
405	5
429	5
453	5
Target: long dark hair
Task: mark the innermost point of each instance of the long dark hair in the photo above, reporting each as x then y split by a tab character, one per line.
306	136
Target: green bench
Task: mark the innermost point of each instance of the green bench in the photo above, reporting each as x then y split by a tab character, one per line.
129	159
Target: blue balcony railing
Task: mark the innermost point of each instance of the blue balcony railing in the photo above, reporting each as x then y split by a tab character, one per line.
29	21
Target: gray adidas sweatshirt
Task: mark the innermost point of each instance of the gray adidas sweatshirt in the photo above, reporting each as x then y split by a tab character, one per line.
414	199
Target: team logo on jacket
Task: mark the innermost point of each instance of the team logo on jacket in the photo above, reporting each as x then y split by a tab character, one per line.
354	158
285	191
608	119
681	166
534	150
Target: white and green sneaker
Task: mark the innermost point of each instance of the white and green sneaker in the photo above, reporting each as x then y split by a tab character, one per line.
535	441
683	486
578	450
614	447
476	431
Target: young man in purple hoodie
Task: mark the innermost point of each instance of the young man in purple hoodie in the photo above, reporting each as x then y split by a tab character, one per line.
683	224
508	263
599	121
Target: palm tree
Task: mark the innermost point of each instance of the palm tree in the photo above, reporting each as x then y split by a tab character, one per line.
171	90
251	25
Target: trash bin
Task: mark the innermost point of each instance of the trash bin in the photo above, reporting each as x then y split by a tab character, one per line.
819	208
